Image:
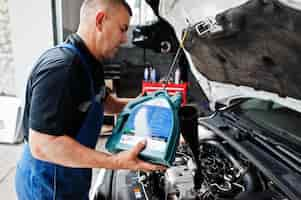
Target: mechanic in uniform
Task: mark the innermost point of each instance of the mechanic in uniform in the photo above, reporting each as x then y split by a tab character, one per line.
65	101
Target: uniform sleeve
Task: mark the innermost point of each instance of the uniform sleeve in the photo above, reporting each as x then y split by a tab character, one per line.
49	95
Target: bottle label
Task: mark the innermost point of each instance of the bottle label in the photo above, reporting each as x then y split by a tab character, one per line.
152	121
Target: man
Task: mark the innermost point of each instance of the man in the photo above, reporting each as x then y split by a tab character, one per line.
64	109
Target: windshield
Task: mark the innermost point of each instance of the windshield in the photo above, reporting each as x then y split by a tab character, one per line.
272	116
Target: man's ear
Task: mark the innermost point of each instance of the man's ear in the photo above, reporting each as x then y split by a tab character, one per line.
99	19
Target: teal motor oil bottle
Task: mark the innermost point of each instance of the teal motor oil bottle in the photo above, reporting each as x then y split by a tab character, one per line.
153	118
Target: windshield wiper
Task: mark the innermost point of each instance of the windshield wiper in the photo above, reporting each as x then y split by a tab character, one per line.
291	158
295	155
282	133
279	132
282	151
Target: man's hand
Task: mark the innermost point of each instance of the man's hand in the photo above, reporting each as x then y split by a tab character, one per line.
129	160
66	151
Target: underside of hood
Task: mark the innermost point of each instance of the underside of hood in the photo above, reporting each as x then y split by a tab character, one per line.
256	43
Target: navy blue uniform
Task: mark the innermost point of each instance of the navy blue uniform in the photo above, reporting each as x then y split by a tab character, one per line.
58	89
61	98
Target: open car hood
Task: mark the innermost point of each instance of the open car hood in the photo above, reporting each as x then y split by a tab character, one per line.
253	49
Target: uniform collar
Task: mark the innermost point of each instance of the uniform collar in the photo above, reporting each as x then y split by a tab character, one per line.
78	42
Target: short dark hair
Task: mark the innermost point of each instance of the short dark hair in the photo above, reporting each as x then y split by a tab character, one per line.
93	3
127	6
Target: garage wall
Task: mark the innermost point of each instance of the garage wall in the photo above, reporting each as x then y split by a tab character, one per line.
71	10
31	34
7	84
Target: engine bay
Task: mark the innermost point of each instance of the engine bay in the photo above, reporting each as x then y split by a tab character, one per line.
219	173
207	167
222	157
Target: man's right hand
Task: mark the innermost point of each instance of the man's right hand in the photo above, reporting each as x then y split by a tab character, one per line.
129	160
66	151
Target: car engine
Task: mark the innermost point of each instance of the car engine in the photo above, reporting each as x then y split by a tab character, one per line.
224	175
207	166
213	171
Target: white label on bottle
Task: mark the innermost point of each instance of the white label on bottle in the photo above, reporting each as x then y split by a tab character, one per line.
151	144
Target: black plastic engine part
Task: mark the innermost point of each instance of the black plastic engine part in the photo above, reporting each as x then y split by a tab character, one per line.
189	129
